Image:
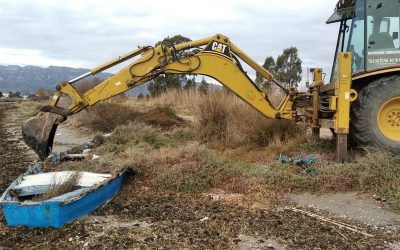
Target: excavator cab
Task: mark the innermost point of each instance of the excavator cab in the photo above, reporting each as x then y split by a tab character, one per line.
369	29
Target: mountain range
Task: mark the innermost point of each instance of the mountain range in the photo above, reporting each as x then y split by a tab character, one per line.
27	79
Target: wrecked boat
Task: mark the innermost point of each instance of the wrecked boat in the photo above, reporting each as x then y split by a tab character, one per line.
26	202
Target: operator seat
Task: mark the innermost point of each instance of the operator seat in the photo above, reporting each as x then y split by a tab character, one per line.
378	41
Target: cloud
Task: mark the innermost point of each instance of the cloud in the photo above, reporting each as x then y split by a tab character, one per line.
88	33
28	57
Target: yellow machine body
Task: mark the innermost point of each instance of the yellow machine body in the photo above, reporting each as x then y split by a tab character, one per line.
218	59
362	99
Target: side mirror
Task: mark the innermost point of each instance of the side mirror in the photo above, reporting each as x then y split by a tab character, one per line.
395	35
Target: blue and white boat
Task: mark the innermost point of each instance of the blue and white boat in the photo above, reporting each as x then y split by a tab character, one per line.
20	207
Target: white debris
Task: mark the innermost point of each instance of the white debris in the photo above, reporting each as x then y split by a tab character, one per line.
204	219
86	151
95	157
107	135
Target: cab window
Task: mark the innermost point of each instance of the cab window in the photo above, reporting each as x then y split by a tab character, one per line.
357	41
383	27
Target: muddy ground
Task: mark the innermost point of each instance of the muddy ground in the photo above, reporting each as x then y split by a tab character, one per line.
141	218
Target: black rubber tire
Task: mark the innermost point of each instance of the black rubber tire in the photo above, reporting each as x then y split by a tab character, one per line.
364	130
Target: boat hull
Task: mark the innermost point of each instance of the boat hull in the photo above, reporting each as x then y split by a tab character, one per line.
57	212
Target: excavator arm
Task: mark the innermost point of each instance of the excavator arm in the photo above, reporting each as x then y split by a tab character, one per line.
216	57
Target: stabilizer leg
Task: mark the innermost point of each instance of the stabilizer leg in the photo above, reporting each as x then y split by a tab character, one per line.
341	148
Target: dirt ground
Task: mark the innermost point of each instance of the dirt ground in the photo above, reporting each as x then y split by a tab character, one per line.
140	218
66	138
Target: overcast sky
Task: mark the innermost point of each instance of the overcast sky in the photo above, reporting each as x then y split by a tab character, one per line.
86	33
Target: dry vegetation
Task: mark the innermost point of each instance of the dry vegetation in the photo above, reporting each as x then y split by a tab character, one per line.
226	145
61	186
225	119
185	177
106	116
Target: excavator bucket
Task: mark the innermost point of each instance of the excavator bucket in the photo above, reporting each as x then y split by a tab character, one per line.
39	131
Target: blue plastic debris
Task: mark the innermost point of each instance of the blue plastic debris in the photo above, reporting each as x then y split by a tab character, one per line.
303	162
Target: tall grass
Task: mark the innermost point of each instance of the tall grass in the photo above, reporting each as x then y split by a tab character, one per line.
183	101
220	118
106	116
228	121
61	186
224	120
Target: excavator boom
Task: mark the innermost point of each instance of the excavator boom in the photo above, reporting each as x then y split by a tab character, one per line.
215	56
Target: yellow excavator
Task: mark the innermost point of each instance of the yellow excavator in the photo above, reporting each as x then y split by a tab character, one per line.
361	100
